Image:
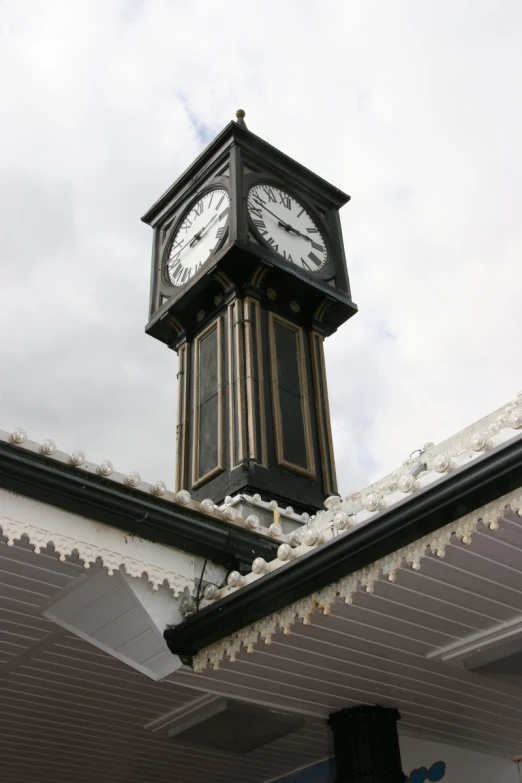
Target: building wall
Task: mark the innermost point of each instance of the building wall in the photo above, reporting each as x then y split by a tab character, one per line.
461	766
428	762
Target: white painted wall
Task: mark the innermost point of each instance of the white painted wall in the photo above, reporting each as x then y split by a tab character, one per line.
462	766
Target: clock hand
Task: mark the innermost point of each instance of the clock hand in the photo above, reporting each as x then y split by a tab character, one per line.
262	204
287	227
181	248
201	231
282	223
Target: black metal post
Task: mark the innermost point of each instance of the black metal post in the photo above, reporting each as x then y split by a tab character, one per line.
366	745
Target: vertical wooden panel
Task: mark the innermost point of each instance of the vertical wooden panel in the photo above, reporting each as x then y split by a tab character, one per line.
236	381
255	392
208	444
183	417
291	404
323	414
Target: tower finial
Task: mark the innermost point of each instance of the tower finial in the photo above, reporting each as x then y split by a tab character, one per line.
240	114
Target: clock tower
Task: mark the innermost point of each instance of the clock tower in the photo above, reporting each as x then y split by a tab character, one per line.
248	278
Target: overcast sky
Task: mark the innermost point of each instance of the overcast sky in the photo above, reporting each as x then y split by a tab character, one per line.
414	108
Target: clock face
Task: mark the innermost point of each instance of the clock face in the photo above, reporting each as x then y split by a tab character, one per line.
201	230
287	227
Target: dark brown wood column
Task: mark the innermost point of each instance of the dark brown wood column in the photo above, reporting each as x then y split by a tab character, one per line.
366	745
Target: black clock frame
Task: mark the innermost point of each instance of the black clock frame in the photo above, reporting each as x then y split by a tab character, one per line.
218	183
329	270
233	160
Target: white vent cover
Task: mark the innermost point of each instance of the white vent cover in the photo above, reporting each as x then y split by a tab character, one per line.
121	615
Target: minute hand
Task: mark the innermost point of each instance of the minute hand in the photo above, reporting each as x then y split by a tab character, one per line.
281	222
287	226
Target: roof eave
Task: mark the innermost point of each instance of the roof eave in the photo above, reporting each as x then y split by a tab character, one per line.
466	490
151	518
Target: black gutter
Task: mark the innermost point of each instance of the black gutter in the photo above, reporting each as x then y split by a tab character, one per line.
154	519
467	489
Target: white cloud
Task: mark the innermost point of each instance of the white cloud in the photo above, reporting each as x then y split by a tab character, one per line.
413	108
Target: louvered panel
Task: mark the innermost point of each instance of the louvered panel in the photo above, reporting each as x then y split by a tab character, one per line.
59	674
375	650
466	620
456	570
372	651
95	707
327	690
28	621
349	658
486	551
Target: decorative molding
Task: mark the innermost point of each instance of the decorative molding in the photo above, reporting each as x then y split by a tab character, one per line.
458	445
357	508
365	579
93	541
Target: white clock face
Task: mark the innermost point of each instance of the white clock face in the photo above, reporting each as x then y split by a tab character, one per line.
287	227
201	230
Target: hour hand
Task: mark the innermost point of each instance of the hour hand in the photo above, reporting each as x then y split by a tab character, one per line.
286	226
201	231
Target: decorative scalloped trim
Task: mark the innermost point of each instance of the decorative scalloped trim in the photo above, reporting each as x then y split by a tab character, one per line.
453	446
366	578
113	561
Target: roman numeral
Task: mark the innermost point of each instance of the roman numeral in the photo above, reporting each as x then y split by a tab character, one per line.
272	244
318	247
313	230
223	214
175	270
220	232
260	225
285	201
270	193
219	202
288	257
256	211
301	212
305	265
186	225
186	274
314	258
198	209
211	197
177	275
